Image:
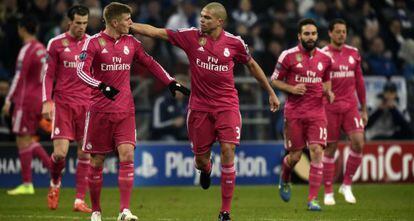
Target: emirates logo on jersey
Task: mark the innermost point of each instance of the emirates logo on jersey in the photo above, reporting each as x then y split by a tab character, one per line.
126	50
226	52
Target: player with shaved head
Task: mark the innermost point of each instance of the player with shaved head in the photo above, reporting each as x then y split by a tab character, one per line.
214	105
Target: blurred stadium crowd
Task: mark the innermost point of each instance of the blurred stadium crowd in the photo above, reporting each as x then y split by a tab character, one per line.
382	30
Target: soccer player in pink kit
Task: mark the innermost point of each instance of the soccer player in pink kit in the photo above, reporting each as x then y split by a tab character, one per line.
214	106
303	72
68	106
25	92
346	77
105	63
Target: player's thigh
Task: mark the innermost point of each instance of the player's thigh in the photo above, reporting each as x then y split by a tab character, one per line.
352	122
98	137
333	126
228	126
294	134
316	132
25	121
200	126
124	128
79	121
63	122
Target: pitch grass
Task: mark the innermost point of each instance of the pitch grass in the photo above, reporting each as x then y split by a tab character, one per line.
251	203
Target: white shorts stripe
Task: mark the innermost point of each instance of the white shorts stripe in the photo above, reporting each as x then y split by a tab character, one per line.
18	121
85	130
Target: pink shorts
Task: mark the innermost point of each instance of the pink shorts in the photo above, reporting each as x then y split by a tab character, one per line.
300	133
25	121
104	132
68	121
349	121
204	128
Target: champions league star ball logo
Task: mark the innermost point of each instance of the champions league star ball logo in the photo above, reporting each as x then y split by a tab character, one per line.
126	50
226	52
82	56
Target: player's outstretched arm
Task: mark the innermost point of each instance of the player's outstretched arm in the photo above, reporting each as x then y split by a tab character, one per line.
258	73
150	31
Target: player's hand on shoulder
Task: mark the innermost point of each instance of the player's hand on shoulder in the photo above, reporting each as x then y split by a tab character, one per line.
109	91
47	110
175	86
299	89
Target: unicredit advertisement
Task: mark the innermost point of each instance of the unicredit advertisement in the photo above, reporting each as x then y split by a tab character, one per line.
382	162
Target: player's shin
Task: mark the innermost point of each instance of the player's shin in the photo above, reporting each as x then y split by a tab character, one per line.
95	180
352	164
56	168
126	183
315	180
228	180
25	156
82	170
328	173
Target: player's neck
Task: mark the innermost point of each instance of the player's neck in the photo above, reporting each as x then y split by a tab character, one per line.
112	33
216	33
74	36
28	38
336	46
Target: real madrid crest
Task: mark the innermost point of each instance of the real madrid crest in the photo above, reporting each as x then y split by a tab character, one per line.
202	41
351	60
320	66
65	42
126	50
102	42
226	52
299	58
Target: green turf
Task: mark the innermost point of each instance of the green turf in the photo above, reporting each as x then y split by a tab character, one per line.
251	203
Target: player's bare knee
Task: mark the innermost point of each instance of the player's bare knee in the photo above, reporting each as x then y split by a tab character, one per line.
23	142
126	156
316	152
330	150
83	155
227	155
201	161
58	156
294	158
358	145
97	160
